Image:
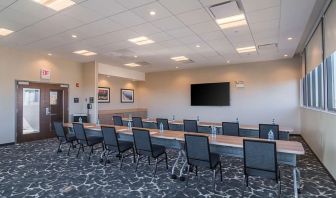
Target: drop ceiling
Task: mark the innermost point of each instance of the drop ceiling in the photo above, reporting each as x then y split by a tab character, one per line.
178	28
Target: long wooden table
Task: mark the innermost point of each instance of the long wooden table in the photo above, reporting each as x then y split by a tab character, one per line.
224	145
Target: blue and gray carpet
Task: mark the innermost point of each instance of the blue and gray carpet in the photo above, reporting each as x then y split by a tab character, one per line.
35	170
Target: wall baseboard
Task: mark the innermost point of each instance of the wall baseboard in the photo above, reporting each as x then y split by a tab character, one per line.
7	144
325	168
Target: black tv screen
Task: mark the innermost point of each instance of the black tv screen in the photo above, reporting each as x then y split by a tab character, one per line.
210	94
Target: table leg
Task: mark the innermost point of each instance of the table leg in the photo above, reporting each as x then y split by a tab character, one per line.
173	176
296	180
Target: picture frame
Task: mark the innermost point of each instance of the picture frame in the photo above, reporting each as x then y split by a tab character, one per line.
127	95
103	95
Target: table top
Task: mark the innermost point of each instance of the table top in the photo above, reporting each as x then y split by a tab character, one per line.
217	124
283	146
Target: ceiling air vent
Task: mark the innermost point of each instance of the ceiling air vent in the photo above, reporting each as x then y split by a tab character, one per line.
143	63
268	47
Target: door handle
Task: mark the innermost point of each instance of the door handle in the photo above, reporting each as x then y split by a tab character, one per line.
47	111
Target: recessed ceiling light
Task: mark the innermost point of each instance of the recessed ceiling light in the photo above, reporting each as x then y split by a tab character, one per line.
290	38
142	40
132	65
285	55
50	54
152	13
56	5
232	21
74	36
198	46
5	32
179	58
84	52
228	61
246	49
135	56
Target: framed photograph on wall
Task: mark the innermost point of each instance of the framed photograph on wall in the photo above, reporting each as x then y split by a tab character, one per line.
127	96
103	94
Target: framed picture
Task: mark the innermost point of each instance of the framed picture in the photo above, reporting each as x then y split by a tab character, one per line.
103	94
127	96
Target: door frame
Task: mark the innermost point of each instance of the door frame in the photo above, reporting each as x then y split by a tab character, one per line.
59	86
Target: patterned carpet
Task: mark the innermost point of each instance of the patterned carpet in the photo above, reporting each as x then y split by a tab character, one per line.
35	170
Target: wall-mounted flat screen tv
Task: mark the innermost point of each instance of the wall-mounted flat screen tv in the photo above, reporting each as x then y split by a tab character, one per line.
210	94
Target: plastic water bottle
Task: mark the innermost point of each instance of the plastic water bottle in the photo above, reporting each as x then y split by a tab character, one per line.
97	123
273	121
129	117
213	132
198	119
270	135
129	124
161	127
237	120
80	120
173	118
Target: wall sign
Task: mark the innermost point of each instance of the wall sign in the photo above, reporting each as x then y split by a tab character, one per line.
45	74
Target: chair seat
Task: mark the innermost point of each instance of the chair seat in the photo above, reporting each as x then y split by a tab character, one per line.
158	150
261	173
214	157
71	137
123	146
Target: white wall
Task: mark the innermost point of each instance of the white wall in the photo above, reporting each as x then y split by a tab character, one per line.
22	65
318	129
90	75
115	84
272	91
120	72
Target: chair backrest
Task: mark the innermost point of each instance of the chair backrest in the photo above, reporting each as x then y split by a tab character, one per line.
190	125
110	136
197	147
164	122
142	140
117	120
230	128
137	122
79	131
265	128
59	130
260	158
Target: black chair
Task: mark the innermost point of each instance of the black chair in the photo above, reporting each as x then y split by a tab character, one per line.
164	122
190	126
230	128
112	145
260	159
64	138
117	120
265	128
145	148
199	155
137	122
85	140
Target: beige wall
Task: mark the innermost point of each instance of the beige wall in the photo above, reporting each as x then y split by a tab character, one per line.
271	91
318	129
90	75
115	84
22	65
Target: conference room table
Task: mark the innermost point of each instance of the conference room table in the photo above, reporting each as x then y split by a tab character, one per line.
287	151
204	127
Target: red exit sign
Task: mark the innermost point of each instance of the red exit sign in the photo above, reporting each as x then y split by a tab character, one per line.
45	74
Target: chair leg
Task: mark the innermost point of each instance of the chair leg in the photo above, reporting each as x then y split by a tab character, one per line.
214	179
166	160
59	147
220	170
90	153
137	162
69	149
80	146
105	157
196	169
148	160
121	161
133	155
156	161
188	168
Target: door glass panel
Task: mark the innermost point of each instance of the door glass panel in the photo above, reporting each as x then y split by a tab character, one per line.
31	111
53	98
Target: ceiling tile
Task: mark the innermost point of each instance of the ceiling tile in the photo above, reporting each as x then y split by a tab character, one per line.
168	23
265	26
98	28
215	35
83	14
127	19
144	12
269	14
145	29
208	26
254	5
134	3
191	39
195	16
178	6
180	32
104	7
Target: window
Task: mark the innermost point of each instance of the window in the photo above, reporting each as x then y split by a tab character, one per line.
304	93
313	88
331	81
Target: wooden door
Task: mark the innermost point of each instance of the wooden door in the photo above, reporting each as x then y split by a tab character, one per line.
38	106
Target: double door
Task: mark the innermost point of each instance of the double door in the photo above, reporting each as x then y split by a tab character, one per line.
38	105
